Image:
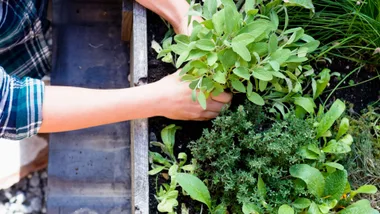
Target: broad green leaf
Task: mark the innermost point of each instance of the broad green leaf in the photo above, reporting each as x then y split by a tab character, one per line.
311	176
256	98
308	4
167	43
196	54
308	154
343	128
261	187
280	56
195	188
257	27
156	170
188	167
292	30
220	77
306	103
313	209
367	189
322	83
168	138
262	85
296	59
360	207
260	47
335	147
209	9
278	74
220	209
156	47
202	99
211	58
250	208
228	58
205	44
311	46
168	202
242	72
244	38
262	74
241	50
347	140
285	209
334	165
335	184
238	86
229	3
158	158
182	39
182	58
274	18
249	88
275	65
272	45
218	21
330	117
301	203
249	5
230	18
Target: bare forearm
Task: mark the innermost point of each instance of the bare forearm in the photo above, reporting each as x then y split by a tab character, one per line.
70	108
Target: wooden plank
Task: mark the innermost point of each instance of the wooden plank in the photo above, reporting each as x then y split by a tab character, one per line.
139	128
90	170
126	29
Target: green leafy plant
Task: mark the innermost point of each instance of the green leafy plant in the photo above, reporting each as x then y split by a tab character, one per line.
290	166
169	165
243	53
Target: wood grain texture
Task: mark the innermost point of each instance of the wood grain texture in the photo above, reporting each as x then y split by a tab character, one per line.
139	128
126	26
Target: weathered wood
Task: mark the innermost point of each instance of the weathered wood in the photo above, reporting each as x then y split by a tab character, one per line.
90	170
139	128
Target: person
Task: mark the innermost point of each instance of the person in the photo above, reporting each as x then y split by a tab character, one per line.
28	107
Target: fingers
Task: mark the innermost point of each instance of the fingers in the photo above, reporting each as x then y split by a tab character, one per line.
223	97
214	106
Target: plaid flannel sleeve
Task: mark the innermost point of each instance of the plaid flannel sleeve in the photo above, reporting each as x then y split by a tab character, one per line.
20	106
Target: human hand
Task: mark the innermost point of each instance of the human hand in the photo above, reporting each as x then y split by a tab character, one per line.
184	27
174	101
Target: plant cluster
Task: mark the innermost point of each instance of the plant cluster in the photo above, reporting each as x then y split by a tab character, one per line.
243	52
293	165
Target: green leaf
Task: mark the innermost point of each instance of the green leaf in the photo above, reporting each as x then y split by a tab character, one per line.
330	117
202	99
262	85
308	4
228	58
343	128
335	184
262	74
335	147
260	47
242	50
212	58
220	77
195	188
285	209
244	38
261	187
334	165
156	47
168	138
158	158
182	39
168	202
250	208
301	203
311	46
257	28
275	65
156	170
182	58
313	209
238	86
242	72
311	176
220	209
306	103
272	45
230	18
322	83
360	207
256	98
274	18
366	189
249	5
280	56
205	44
218	21
209	9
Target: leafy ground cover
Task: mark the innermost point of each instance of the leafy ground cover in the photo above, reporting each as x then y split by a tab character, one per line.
288	156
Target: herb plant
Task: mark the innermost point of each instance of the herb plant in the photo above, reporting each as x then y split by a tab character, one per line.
242	53
290	166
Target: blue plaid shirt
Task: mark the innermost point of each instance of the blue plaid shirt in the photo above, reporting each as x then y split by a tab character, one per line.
23	54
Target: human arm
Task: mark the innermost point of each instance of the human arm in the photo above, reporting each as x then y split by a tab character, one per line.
174	11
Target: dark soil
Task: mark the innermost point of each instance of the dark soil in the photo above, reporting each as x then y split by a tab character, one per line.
360	96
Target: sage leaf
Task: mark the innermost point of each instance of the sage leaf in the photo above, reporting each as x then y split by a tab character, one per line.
272	45
244	38
241	50
250	208
242	72
262	74
238	86
182	58
274	65
202	99
210	7
311	176
285	209
343	128
156	170
218	21
211	58
256	98
308	4
168	138
280	55
195	188
262	85
205	44
314	209
367	189
335	147
330	117
322	83
220	77
334	165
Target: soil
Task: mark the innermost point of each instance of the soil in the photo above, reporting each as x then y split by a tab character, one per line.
360	96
